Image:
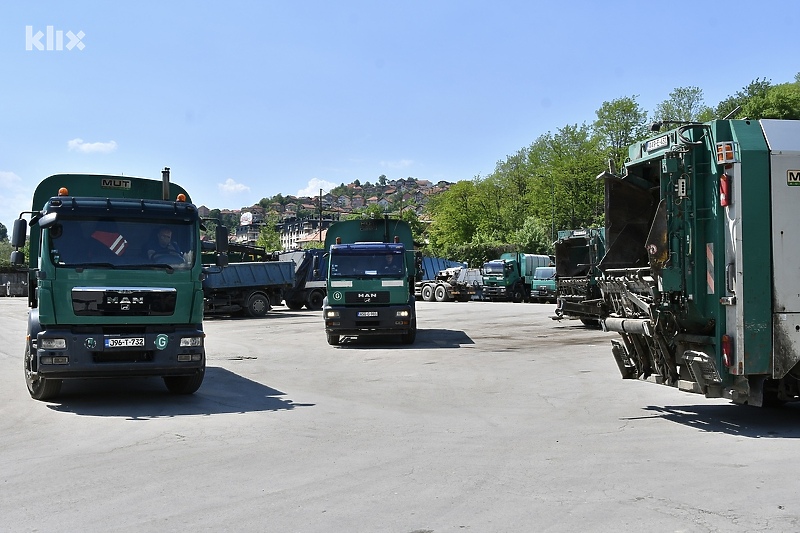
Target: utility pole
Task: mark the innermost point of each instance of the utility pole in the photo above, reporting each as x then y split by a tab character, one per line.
552	208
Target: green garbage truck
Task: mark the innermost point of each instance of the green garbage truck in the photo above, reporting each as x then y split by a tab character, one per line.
700	273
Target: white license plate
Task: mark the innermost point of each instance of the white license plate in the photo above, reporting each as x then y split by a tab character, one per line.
125	342
367	313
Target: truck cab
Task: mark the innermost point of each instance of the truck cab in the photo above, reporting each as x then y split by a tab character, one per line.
543	288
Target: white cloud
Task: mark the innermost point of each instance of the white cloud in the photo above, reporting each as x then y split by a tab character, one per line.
314	185
402	163
231	187
78	145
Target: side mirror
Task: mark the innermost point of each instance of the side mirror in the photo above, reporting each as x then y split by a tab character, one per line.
222	259
221	237
17	257
18	233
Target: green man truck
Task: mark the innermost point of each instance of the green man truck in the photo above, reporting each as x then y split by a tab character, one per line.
700	275
115	280
372	267
511	276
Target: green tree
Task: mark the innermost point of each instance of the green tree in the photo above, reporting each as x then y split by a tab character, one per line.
728	107
619	124
269	238
684	104
781	102
533	237
3	232
576	160
452	216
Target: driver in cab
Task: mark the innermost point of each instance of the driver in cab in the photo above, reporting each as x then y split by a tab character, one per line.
164	246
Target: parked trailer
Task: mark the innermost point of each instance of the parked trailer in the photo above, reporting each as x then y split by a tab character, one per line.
431	266
247	288
459	284
310	284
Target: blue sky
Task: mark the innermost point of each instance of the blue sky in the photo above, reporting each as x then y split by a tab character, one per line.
245	100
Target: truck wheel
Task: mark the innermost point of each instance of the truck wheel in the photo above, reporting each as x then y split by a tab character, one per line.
411	335
185	384
39	388
441	294
257	304
294	305
333	340
315	299
427	293
517	294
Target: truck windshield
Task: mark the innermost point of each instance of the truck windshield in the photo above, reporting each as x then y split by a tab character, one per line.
369	264
121	243
544	273
493	267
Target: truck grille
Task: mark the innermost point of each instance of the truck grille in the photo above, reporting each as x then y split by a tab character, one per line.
141	301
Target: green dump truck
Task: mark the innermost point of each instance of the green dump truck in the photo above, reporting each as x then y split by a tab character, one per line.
372	268
115	282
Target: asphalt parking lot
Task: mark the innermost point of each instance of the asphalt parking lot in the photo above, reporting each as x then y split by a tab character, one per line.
498	419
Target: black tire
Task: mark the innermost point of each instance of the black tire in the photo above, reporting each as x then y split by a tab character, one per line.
517	294
590	322
185	384
427	293
258	304
333	339
315	300
294	305
40	388
411	335
441	294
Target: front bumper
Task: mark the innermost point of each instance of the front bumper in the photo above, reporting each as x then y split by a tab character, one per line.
88	353
357	321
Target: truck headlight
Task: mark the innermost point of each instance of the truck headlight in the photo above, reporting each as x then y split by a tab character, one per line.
331	313
191	342
403	313
53	343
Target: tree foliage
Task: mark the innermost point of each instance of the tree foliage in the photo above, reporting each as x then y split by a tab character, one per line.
619	124
684	104
780	101
269	238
